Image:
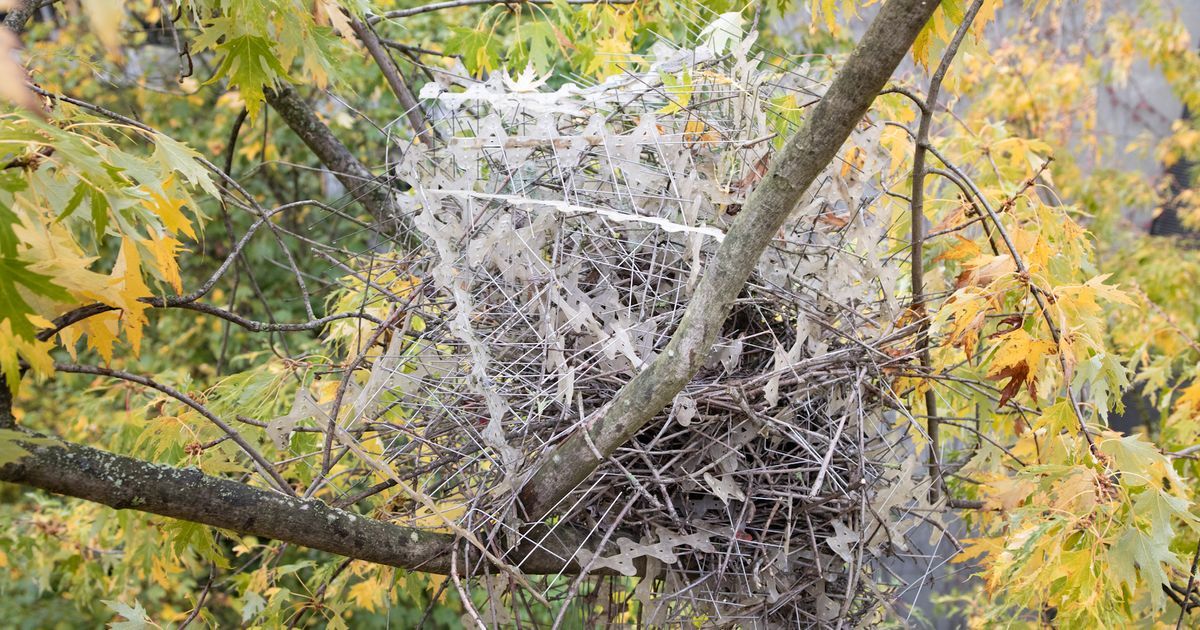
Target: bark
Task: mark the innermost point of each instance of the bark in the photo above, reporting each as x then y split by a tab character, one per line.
375	194
799	163
19	14
186	493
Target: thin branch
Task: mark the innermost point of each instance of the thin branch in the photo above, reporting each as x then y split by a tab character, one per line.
374	194
1191	583
251	325
453	4
918	240
265	467
395	80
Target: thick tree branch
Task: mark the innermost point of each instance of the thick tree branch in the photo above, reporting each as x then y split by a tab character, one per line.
19	14
188	494
803	158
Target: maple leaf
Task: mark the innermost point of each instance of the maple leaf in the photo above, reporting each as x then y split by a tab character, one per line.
130	288
476	46
527	81
176	156
1019	375
543	43
982	271
965	249
164	249
13	348
101	330
1017	358
250	65
338	20
168	209
13	307
367	594
609	57
967	308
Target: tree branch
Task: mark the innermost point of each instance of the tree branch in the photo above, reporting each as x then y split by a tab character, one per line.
453	4
374	195
19	14
188	494
395	80
918	241
803	158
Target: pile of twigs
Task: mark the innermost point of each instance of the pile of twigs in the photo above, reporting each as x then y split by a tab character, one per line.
551	240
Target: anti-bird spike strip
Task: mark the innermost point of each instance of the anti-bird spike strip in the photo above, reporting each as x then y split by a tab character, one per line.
559	236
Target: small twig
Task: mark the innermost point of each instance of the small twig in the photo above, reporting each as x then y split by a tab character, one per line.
463	595
265	467
452	4
1187	591
199	601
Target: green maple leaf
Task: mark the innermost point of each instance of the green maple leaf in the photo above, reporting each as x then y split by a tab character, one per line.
250	64
478	50
173	155
542	45
13	306
135	616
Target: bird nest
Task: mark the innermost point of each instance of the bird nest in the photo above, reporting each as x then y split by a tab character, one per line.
552	239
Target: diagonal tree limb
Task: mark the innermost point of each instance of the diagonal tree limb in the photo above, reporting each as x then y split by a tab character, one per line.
803	158
373	193
395	80
19	14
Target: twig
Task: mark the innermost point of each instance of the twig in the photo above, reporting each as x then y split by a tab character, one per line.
452	4
265	467
1187	591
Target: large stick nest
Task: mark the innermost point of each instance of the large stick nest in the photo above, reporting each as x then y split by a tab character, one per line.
553	240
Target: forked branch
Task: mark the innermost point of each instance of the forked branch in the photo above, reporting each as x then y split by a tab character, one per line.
802	159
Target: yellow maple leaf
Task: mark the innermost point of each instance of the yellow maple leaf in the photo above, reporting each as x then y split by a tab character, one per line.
102	333
168	209
612	56
52	252
1018	359
164	249
966	310
984	270
13	348
126	280
367	594
966	248
1190	397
